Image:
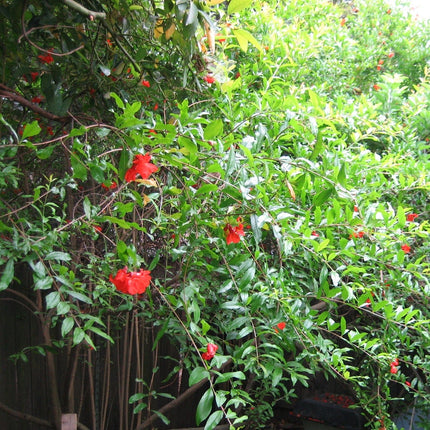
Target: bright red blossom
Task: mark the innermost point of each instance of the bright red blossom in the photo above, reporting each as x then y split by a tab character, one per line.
209	79
406	249
146	84
390	55
233	233
142	166
280	326
36	99
394	366
211	349
376	87
411	217
393	369
131	282
34	75
46	59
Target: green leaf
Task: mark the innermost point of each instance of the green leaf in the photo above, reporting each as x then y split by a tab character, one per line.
79	169
318	147
81	297
160	334
243	37
322	197
52	299
197	375
230	375
78	335
342	326
162	417
189	147
276	376
238	5
118	101
118	221
213	129
101	333
78	131
124	163
401	217
43	283
248	155
31	129
206	189
341	176
136	397
67	325
87	207
204	407
45	153
256	229
97	172
213	420
192	15
7	275
58	256
322	245
63	308
205	327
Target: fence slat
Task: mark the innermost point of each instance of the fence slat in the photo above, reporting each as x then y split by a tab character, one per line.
69	422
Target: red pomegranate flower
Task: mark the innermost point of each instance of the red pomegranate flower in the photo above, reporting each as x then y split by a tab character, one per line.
233	233
209	79
46	59
280	326
406	249
411	217
210	351
142	166
131	282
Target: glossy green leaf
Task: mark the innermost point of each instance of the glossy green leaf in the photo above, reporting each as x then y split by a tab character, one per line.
197	374
204	406
235	6
7	275
214	420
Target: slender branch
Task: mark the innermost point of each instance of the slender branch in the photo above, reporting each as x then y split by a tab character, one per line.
84	11
121	46
26	417
12	95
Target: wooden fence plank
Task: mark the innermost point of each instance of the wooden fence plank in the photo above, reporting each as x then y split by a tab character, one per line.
69	422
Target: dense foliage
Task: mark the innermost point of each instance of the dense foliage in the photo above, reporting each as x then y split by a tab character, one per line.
267	162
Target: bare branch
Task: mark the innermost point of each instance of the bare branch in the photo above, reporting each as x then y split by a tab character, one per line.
26	417
84	11
12	95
